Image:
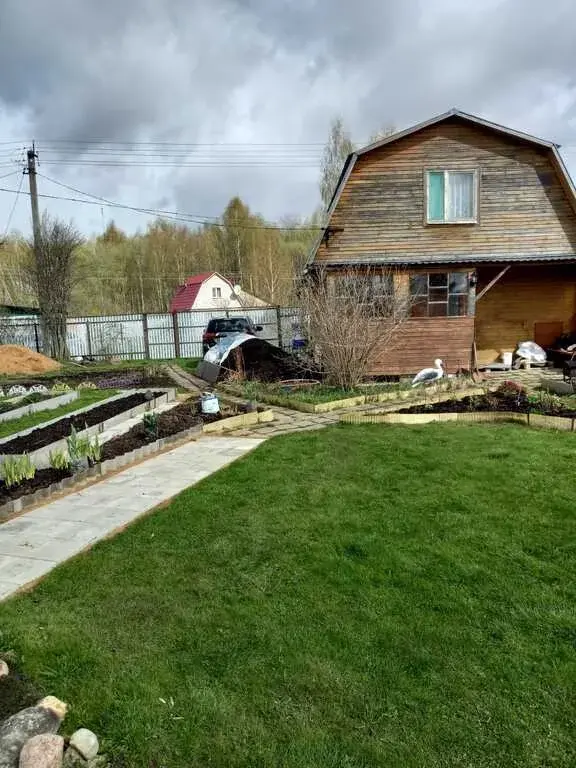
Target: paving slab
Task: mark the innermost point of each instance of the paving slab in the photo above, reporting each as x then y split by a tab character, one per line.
38	541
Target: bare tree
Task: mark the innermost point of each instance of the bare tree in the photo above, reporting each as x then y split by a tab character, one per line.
53	261
350	317
337	149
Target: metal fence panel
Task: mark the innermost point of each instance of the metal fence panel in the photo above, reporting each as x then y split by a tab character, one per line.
158	336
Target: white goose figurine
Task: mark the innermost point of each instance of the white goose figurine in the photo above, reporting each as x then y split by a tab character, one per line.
428	375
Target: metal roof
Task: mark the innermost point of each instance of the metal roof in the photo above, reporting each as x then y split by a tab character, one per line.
406	259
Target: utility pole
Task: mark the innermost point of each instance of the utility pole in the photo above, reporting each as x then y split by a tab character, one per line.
32	157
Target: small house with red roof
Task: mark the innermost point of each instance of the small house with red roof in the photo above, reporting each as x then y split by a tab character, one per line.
211	290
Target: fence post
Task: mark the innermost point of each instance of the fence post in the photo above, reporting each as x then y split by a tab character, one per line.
145	334
88	339
279	324
176	328
36	339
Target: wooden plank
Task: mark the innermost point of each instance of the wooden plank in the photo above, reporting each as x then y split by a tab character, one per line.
524	207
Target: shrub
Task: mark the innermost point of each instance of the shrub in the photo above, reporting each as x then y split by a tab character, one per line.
15	469
511	389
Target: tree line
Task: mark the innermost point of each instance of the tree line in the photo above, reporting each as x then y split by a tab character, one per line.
117	272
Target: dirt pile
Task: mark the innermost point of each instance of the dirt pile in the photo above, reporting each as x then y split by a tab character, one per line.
14	359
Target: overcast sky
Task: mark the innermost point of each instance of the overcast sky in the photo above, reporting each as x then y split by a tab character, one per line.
261	79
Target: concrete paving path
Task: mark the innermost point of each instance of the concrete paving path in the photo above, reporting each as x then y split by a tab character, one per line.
38	541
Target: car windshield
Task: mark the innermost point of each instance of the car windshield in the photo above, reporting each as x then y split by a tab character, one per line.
229	325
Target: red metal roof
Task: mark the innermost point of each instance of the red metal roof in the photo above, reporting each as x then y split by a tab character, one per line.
185	296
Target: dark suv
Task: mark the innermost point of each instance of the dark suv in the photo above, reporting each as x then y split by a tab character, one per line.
222	326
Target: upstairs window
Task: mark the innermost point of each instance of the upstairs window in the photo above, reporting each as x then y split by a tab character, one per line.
217	293
451	197
439	294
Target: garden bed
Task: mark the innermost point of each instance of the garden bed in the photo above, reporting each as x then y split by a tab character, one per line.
34	403
320	398
60	429
178	424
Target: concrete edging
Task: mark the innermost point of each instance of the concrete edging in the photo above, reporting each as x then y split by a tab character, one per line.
334	405
119	462
238	422
40	457
43	405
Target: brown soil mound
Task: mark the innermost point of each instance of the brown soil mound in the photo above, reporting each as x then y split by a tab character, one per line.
14	359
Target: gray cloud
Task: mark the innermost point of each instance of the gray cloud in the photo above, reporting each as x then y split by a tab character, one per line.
265	72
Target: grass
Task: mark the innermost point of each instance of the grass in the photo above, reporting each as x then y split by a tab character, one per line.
317	393
86	397
353	597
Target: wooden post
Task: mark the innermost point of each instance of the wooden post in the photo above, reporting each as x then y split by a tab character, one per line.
145	334
88	339
36	339
176	328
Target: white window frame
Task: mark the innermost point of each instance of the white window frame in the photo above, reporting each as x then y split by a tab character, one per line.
473	173
216	292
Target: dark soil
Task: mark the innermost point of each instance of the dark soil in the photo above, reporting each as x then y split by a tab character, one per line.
491	402
42	479
17	692
121	379
43	436
178	419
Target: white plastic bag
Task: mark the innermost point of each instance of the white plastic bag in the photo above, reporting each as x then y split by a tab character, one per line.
529	350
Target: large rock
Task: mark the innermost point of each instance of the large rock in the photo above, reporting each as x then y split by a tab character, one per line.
43	751
16	730
4	671
85	743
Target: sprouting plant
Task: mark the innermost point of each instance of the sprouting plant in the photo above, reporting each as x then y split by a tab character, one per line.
94	451
15	469
511	389
59	460
78	449
545	401
150	423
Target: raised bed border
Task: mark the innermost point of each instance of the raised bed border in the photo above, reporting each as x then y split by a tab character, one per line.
334	405
41	455
81	479
561	423
49	404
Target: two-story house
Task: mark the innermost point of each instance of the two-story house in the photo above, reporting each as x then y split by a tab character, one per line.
476	220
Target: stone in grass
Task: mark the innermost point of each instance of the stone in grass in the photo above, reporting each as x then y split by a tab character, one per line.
15	731
43	751
73	759
4	670
85	743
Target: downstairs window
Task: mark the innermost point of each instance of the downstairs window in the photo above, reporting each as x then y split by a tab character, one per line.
439	294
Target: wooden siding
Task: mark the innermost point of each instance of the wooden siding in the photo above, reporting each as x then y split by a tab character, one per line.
422	340
525	297
523	207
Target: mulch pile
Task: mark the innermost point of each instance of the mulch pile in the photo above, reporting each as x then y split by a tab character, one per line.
15	359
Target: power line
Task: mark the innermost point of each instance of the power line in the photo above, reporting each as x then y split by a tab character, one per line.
11	214
173	215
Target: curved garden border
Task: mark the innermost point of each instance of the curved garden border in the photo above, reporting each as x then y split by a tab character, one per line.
81	479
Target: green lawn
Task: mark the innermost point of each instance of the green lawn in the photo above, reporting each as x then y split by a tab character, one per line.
85	398
353	597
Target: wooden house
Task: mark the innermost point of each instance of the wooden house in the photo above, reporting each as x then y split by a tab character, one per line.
477	220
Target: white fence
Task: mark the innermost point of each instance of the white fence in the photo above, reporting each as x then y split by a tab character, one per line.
154	336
